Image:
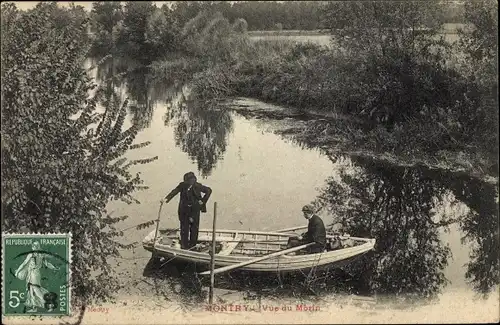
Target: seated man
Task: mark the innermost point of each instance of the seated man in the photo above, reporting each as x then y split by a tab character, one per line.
316	232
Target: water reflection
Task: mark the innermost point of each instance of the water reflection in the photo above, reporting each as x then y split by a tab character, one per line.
480	228
399	207
182	279
141	104
201	130
176	279
135	82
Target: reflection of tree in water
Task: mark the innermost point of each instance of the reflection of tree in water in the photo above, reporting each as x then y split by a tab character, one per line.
201	130
480	228
145	91
177	282
386	202
394	205
142	90
113	69
141	105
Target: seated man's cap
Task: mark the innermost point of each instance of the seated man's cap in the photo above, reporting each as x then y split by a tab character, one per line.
308	208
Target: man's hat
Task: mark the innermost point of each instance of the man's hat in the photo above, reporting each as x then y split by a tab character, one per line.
189	175
308	208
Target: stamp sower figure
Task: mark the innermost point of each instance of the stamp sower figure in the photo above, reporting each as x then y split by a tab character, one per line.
316	231
30	271
190	205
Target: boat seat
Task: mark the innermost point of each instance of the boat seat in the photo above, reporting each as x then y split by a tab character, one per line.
209	238
229	247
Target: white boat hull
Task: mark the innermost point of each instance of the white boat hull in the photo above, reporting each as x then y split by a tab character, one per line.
235	253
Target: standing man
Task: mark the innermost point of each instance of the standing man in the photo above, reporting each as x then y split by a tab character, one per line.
190	205
316	231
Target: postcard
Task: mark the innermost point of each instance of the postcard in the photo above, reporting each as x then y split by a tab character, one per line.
241	162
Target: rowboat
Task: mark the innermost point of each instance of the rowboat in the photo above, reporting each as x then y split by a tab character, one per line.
237	246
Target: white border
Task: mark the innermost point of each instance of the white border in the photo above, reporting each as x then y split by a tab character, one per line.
69	258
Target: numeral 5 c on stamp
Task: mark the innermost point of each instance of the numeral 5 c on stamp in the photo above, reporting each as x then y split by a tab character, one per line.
36	271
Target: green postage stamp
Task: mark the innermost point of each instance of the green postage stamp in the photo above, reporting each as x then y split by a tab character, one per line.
36	270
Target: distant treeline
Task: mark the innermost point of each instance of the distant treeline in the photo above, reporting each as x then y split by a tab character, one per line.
260	15
271	15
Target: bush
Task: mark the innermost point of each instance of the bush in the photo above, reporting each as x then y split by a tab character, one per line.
61	158
478	46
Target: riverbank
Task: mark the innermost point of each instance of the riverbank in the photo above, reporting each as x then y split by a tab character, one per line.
288	32
400	107
411	102
341	134
447	28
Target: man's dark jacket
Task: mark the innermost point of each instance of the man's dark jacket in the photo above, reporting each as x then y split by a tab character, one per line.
191	198
316	231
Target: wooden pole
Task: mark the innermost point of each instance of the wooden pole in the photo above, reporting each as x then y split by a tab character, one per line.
212	259
157	227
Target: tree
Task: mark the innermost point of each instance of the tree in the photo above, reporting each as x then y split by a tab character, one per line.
186	10
403	69
377	26
478	44
62	159
480	38
209	36
106	17
240	25
162	32
132	40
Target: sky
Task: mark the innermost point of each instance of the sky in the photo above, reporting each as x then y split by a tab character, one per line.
23	5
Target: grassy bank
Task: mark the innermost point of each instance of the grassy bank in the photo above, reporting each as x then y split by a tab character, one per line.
431	114
449	28
403	92
335	133
288	32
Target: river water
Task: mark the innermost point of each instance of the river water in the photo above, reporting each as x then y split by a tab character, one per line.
324	39
261	179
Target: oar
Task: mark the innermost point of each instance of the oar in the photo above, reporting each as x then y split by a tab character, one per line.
291	229
257	259
299	227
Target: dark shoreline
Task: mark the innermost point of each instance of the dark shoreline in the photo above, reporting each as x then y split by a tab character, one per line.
298	126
